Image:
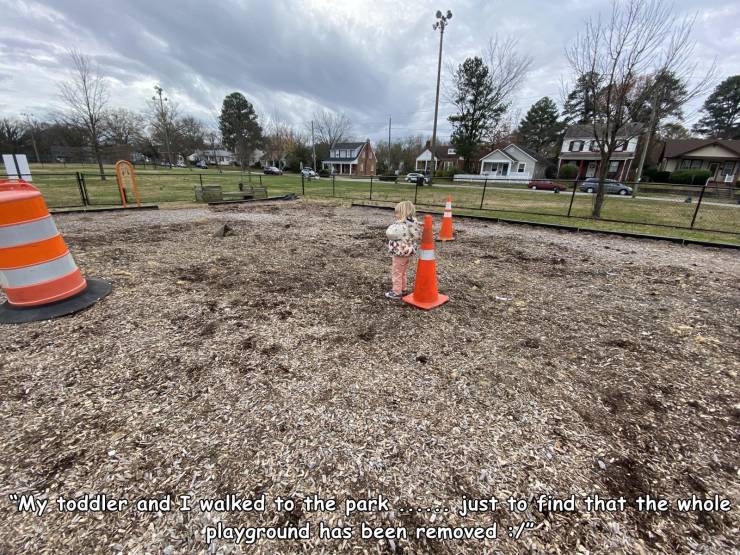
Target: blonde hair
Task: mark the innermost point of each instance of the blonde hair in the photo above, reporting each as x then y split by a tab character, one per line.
405	209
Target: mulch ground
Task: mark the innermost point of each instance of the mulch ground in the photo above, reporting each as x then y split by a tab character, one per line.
269	361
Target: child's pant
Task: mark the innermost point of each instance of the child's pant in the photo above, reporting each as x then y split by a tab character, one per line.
399	270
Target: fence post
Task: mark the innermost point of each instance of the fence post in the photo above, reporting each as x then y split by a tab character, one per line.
371	188
200	175
698	203
303	185
416	192
575	184
483	196
82	191
260	180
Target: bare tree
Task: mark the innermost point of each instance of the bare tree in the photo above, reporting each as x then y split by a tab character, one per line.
280	139
86	97
163	113
123	127
640	37
330	128
506	66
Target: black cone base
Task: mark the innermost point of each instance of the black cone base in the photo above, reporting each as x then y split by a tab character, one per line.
96	290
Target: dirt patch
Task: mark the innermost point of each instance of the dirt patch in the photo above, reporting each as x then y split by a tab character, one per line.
270	361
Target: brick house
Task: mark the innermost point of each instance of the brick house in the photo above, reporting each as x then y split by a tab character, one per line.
351	159
580	149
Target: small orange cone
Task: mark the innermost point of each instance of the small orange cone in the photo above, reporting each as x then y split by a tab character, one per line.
425	293
445	234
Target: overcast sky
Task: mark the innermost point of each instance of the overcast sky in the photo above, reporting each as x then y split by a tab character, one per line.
366	58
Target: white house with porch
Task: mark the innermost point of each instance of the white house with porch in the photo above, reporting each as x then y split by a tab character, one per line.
351	159
512	162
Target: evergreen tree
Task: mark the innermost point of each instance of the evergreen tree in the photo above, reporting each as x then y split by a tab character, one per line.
580	105
540	129
239	127
478	108
722	111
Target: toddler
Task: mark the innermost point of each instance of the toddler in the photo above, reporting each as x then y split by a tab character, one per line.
403	240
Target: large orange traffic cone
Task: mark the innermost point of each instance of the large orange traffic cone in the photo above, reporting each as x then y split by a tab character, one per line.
37	272
445	234
425	293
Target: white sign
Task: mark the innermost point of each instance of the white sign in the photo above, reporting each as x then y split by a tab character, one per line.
12	171
729	178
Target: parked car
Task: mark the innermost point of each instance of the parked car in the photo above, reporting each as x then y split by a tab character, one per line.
591	184
272	170
546	185
413	176
181	165
201	164
308	172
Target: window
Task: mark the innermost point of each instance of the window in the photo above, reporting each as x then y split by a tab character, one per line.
622	147
451	151
576	146
613	166
594	146
728	167
690	164
521	168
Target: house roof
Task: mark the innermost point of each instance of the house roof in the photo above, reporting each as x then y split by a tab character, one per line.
529	152
440	152
348	145
501	150
583	130
678	147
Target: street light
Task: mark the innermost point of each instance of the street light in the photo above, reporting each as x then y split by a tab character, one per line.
163	117
441	23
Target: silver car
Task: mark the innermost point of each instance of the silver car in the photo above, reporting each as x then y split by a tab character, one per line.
613	187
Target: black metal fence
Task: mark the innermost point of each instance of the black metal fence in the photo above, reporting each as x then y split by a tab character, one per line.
712	207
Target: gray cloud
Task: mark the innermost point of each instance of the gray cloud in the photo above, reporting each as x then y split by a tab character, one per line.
367	58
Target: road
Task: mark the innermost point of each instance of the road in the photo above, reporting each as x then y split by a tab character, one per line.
543	192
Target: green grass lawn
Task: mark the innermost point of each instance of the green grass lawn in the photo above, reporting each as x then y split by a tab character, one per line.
60	189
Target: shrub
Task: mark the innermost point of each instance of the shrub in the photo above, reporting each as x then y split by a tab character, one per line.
695	177
568	171
323	172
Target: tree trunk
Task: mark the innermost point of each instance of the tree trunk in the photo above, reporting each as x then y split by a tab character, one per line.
601	188
96	148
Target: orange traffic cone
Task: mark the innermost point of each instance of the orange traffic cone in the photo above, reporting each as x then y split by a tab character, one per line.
445	234
425	293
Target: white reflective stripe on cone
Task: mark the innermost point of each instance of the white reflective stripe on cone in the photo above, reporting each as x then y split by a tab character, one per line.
29	232
38	273
426	254
448	206
447	215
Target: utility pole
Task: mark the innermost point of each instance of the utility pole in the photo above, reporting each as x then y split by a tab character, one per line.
389	144
441	23
648	138
163	118
313	147
32	126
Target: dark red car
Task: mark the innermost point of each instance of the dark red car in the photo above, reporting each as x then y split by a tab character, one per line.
546	185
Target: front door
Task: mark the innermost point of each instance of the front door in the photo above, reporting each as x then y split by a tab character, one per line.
591	169
713	167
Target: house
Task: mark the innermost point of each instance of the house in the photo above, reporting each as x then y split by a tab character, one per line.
512	162
351	159
581	149
445	157
720	156
217	156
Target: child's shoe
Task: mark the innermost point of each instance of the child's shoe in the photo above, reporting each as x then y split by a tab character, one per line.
392	295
